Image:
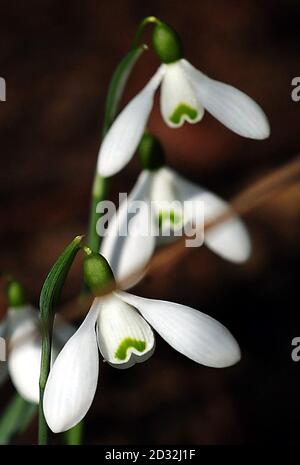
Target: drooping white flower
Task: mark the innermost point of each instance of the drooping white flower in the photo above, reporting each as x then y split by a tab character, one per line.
121	325
22	334
185	94
158	189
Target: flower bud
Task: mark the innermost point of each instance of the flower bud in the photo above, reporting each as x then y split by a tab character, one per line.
15	294
167	43
98	275
151	152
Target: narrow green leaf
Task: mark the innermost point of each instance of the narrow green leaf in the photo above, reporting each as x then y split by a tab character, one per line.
15	418
118	83
55	280
49	297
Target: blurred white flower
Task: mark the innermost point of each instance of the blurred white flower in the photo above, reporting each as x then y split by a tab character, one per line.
23	338
185	94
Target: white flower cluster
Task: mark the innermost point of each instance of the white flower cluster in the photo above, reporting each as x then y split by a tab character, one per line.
121	325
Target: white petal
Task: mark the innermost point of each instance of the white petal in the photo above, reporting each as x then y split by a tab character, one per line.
129	253
124	337
72	381
24	358
123	137
178	100
229	105
229	239
192	333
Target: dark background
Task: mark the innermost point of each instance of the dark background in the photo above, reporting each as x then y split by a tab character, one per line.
57	58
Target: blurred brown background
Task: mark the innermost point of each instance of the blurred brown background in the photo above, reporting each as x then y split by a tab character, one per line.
57	58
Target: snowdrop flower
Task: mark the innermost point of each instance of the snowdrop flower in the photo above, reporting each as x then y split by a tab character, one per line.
161	189
120	325
24	348
185	94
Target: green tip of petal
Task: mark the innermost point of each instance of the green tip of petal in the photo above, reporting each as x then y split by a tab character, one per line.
183	111
170	217
127	343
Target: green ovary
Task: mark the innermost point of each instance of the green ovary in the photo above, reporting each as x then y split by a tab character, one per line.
127	343
180	111
171	216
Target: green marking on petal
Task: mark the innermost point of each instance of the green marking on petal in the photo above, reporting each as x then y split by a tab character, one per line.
183	110
169	216
127	343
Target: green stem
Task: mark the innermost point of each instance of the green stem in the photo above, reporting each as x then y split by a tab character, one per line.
73	437
101	185
99	192
46	330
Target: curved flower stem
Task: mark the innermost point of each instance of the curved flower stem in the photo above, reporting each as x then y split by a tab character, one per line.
114	95
142	26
